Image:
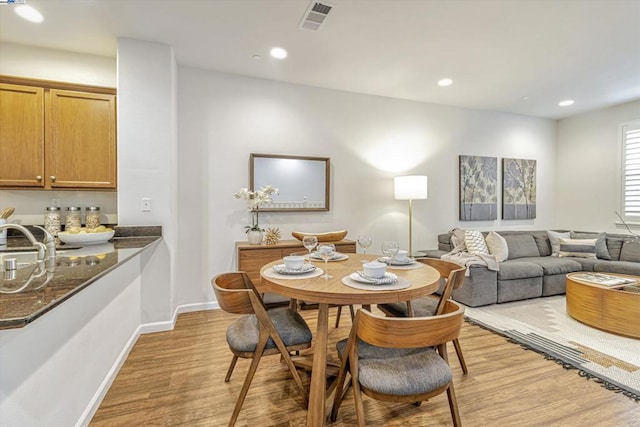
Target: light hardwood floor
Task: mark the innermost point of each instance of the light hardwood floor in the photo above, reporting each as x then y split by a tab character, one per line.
176	378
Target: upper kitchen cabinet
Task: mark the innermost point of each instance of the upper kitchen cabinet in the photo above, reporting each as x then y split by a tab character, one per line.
77	144
21	136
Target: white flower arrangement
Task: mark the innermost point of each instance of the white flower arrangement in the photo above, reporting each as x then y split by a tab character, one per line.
254	200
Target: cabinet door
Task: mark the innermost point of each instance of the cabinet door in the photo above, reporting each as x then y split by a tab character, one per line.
21	136
81	144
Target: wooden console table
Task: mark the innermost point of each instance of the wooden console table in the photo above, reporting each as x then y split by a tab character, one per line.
610	309
251	258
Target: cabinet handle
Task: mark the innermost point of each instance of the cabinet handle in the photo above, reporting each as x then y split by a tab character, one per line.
52	178
39	178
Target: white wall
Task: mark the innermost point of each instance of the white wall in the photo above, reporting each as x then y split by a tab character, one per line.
47	64
589	153
147	151
223	118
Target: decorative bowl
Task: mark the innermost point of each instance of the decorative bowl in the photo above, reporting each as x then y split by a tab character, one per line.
329	236
86	238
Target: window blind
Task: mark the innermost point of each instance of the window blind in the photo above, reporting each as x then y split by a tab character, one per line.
631	171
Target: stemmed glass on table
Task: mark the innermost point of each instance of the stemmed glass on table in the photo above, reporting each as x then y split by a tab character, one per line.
390	249
364	242
326	251
310	242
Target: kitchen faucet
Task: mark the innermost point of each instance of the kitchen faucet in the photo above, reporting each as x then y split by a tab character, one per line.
45	250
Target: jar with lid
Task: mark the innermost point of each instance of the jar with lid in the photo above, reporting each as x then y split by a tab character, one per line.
73	218
52	220
92	217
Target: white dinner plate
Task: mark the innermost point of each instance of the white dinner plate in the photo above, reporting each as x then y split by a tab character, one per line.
337	257
282	269
408	261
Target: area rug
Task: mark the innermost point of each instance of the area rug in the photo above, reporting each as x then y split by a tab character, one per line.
543	325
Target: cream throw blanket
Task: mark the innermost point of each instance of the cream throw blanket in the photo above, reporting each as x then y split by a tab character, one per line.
460	256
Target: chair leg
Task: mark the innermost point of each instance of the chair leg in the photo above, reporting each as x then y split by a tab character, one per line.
463	364
353	312
453	405
338	314
245	388
232	365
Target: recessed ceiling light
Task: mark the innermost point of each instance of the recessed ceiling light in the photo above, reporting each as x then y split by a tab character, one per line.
445	82
525	98
566	102
29	13
278	52
255	56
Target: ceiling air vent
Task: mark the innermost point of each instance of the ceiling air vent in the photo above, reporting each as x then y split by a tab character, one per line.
315	15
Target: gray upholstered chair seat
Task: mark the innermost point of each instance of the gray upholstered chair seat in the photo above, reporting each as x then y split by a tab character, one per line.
242	334
421	307
400	371
516	269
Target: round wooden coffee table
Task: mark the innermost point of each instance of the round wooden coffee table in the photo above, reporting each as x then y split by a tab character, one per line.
609	308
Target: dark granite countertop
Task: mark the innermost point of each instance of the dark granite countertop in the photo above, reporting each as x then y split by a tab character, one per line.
22	301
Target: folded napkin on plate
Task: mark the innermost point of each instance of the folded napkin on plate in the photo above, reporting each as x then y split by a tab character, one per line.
387	279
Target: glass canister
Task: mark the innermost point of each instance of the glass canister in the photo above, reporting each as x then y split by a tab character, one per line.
73	218
52	220
92	216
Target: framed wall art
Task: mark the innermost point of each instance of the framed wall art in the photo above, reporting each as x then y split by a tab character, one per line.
478	188
518	189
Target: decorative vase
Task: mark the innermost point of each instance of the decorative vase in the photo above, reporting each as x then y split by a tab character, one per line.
254	237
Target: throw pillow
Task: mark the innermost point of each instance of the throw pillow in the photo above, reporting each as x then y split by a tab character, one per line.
475	242
554	239
521	246
602	251
497	246
630	251
581	248
457	239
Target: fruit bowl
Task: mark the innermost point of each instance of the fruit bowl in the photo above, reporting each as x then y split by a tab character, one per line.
86	238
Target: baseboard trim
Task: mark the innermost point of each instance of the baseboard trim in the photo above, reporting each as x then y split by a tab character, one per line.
146	328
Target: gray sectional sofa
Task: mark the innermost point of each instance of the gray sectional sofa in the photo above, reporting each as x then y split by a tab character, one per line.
530	271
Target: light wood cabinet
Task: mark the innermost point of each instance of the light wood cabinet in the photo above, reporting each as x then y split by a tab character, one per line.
21	135
251	258
57	135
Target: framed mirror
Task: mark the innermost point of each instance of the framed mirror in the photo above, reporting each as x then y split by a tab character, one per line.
303	181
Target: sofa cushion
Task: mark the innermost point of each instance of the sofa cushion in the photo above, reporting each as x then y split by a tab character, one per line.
474	240
511	270
587	264
630	251
542	241
554	238
497	246
621	267
555	265
601	242
521	245
582	248
614	245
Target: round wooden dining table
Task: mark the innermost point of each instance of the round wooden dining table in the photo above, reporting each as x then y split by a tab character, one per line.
423	280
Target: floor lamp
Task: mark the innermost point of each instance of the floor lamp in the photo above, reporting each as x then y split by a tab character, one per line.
410	187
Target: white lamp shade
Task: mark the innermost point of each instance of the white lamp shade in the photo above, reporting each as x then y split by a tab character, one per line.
410	187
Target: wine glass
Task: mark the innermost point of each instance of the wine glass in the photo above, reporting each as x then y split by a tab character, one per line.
310	242
364	242
390	248
326	251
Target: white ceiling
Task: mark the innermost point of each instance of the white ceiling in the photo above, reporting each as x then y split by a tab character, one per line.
497	52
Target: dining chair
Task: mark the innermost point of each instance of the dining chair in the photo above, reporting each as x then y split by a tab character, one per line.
452	275
260	332
399	359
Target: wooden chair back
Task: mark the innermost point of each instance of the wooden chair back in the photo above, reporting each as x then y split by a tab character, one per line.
452	273
235	292
410	332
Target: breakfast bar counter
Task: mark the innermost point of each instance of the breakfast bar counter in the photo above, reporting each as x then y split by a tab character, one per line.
30	292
